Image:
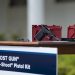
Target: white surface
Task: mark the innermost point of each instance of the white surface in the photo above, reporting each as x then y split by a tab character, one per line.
36	15
15	73
30	49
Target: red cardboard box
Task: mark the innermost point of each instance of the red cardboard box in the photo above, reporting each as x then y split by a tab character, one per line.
71	31
54	28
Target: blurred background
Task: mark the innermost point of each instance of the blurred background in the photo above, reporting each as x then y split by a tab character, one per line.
13	19
16	16
66	64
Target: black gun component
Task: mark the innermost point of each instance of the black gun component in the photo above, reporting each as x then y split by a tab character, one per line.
45	31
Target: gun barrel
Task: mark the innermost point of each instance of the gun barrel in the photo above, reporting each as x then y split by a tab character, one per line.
50	33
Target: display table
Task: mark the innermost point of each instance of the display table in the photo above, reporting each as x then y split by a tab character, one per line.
64	47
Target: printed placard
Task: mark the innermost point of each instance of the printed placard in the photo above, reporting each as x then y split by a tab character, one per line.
19	60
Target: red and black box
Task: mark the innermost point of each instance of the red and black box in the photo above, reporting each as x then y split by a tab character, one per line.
54	28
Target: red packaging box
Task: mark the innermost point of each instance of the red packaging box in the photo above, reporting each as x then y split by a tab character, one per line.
71	31
54	28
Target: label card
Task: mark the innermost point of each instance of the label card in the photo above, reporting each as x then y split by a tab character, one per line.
20	60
